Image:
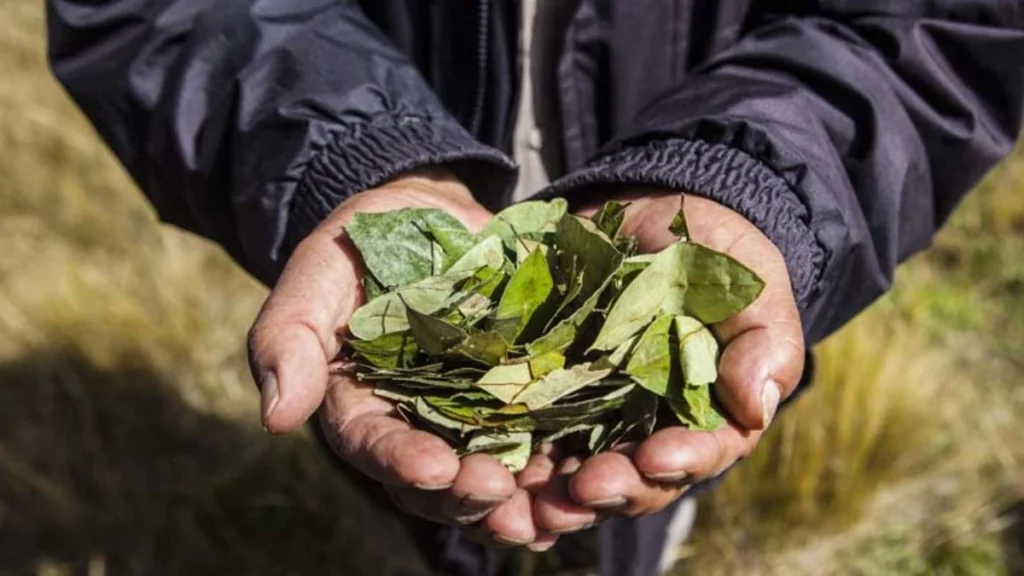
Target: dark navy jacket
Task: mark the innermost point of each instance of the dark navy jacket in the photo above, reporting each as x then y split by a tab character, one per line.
846	130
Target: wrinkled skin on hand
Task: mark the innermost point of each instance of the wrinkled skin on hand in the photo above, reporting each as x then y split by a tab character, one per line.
299	331
761	364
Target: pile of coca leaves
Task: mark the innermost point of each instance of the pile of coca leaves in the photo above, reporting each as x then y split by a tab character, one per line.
545	326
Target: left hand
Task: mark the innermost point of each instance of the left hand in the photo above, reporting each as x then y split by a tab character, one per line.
761	363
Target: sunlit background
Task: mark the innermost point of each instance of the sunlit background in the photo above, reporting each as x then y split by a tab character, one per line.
130	442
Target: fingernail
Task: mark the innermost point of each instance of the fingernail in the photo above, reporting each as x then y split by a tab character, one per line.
540	546
616	502
509	541
474	501
769	402
676	476
268	391
429	487
578	528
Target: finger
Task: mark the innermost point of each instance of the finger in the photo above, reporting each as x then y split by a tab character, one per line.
758	368
512	521
764	355
482	484
543	542
539	469
362	430
295	334
611	481
554	511
679	455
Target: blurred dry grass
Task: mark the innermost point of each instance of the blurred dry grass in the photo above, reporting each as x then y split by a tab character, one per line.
129	442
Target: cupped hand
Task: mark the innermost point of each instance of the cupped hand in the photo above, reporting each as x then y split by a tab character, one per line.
297	336
761	363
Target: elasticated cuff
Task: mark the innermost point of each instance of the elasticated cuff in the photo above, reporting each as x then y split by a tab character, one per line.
726	175
365	157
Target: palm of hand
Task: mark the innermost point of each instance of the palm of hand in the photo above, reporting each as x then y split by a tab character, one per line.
298	334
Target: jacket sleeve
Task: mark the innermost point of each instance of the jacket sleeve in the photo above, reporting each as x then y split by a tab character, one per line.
847	135
247	121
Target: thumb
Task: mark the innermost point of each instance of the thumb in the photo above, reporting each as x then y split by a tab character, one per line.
295	335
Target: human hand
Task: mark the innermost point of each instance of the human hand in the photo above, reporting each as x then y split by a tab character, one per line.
761	363
298	335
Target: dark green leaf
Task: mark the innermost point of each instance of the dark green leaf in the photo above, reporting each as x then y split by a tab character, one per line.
371	288
435	337
579	240
609	218
650	364
488	348
527	292
394	350
679	226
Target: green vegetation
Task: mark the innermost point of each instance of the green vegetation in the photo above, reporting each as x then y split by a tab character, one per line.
129	437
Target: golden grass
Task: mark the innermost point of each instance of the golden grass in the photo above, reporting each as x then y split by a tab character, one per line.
129	440
910	427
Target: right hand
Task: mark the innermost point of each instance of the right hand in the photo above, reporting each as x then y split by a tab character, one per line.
299	332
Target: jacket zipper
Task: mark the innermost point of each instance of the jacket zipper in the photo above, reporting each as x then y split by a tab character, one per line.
482	38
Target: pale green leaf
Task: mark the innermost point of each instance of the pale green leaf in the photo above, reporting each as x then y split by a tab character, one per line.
697	409
386	313
557	384
525	248
513	450
506	382
528	220
709	285
698	352
686	279
487	253
396	246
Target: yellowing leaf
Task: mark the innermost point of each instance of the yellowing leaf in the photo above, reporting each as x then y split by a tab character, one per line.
506	381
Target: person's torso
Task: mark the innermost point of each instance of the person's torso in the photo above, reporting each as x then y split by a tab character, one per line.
594	63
